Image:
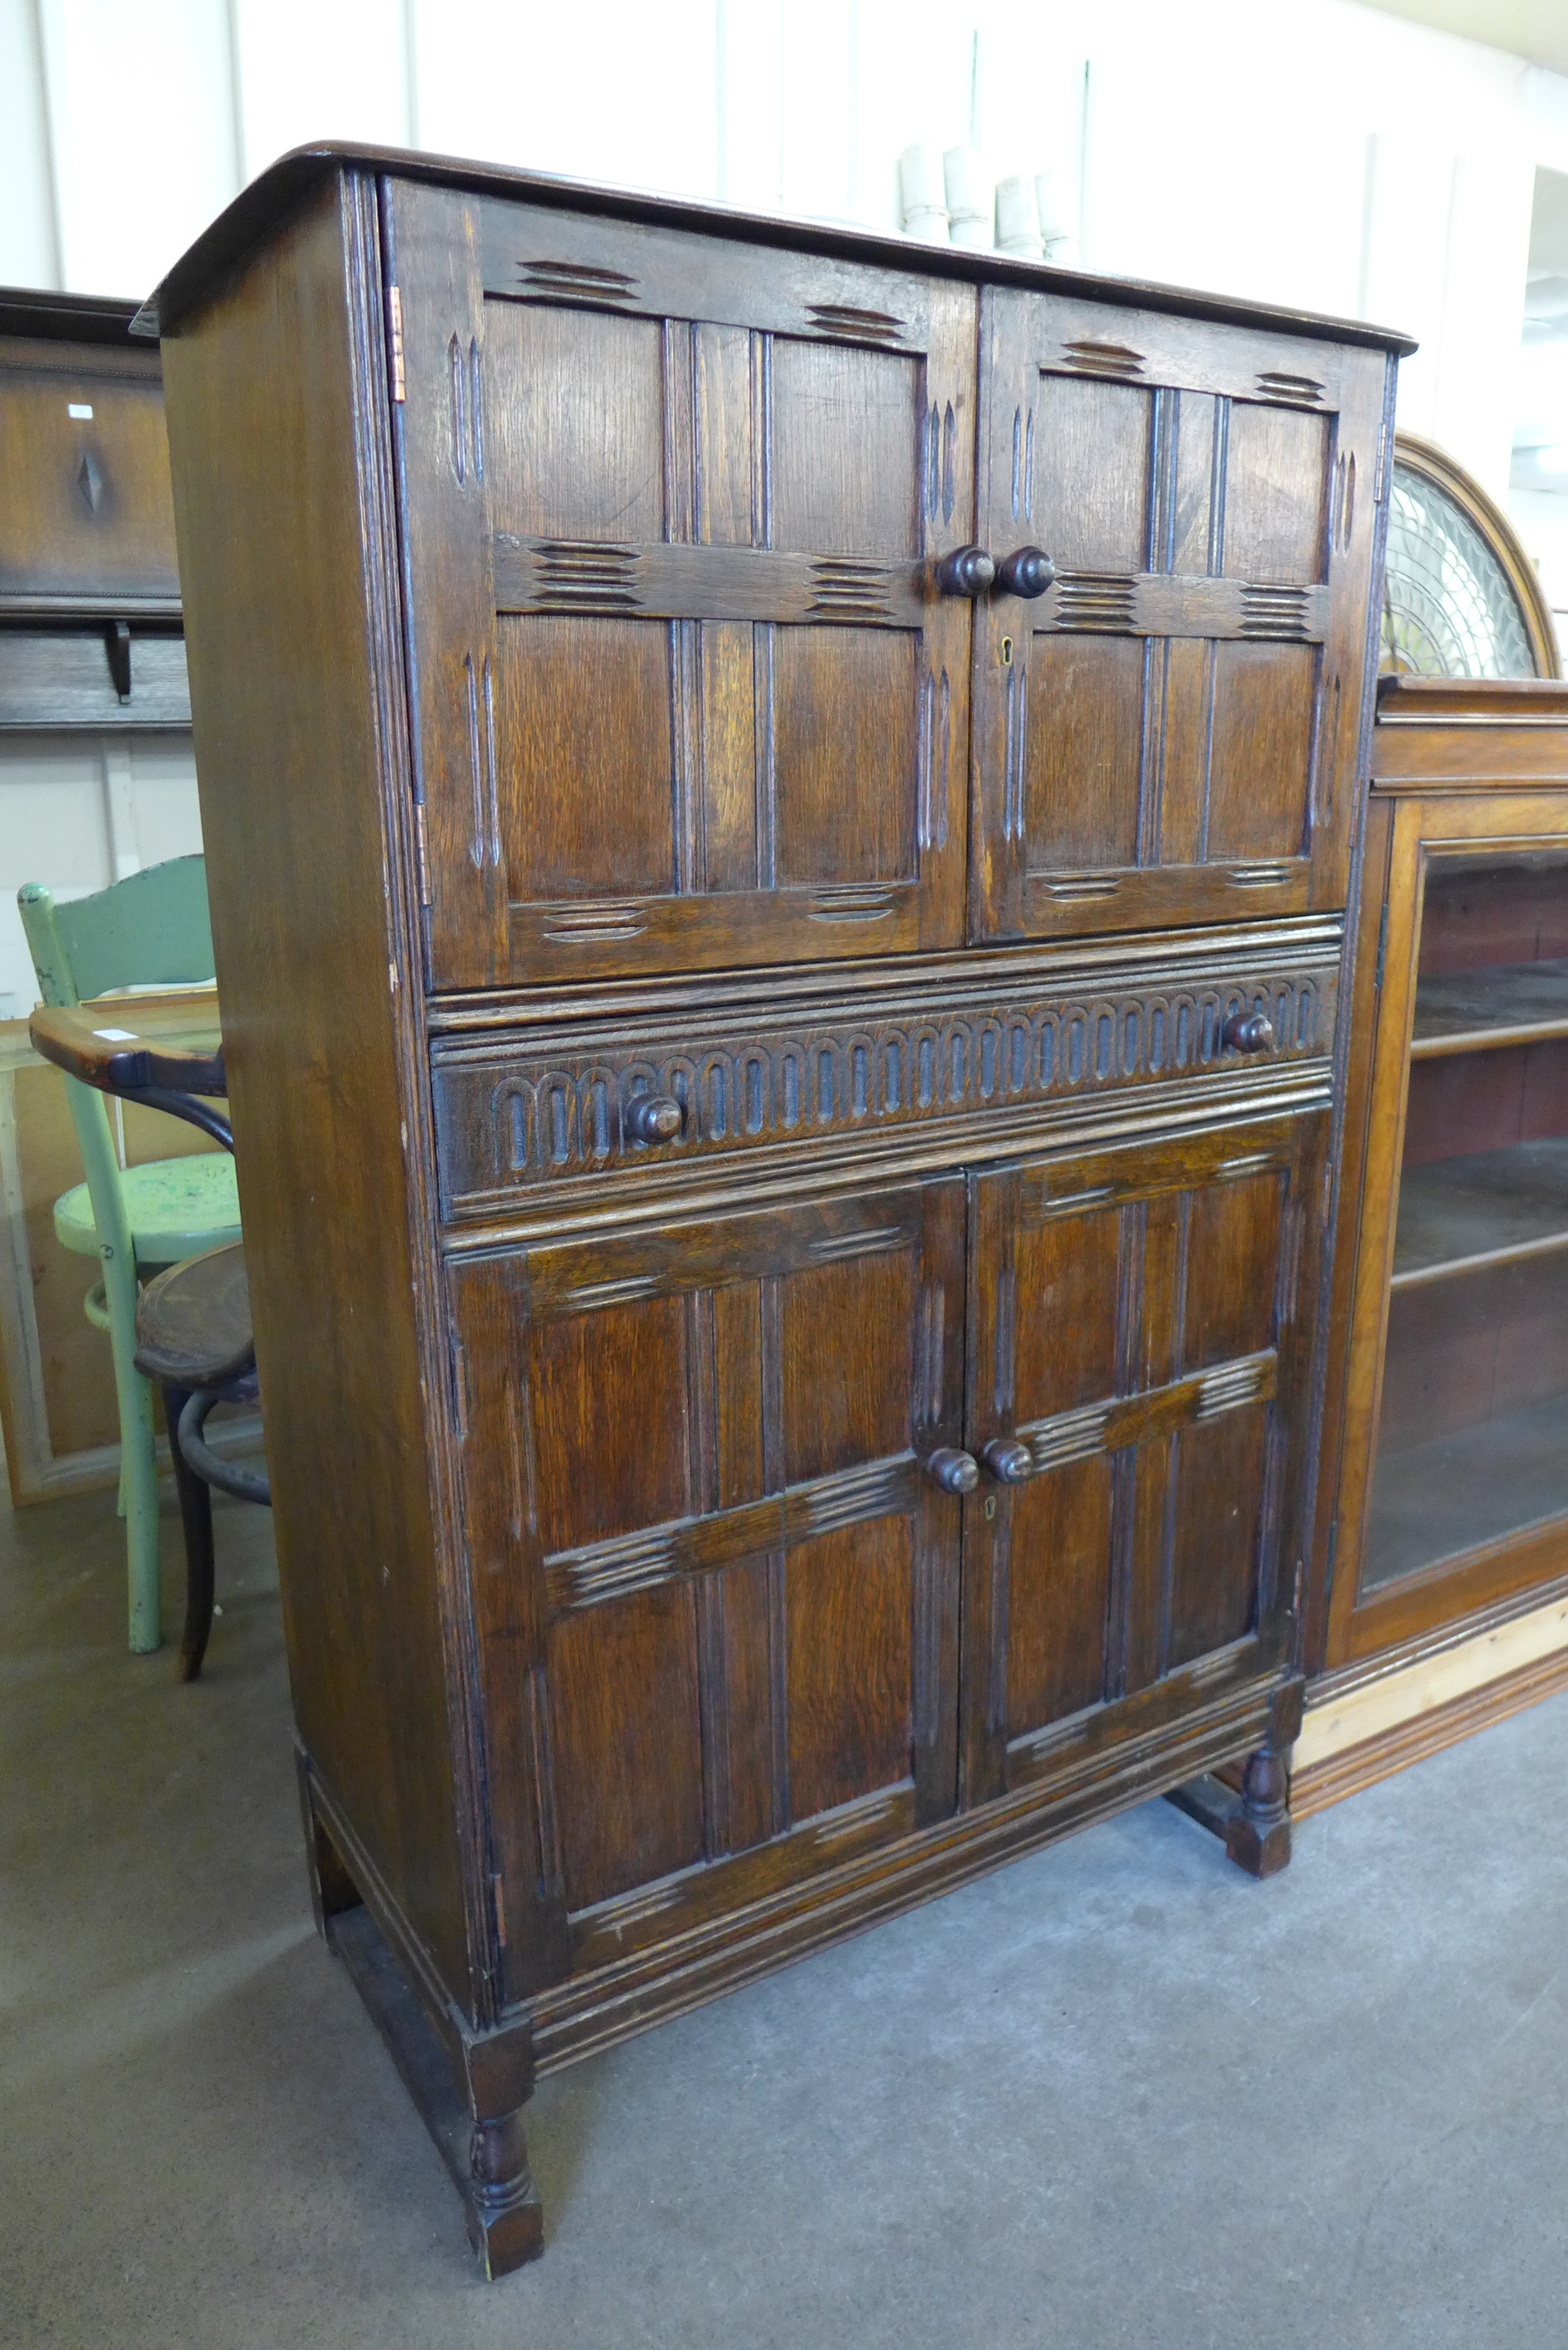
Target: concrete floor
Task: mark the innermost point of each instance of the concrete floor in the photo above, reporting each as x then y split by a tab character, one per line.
1116	2094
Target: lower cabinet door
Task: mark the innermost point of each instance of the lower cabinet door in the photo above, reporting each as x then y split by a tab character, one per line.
1140	1369
715	1577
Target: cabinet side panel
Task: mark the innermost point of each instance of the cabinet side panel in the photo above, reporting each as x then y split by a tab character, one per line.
278	521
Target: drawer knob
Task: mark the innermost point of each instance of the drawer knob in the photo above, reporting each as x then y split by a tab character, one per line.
1028	571
967	571
954	1472
1248	1032
1008	1459
651	1118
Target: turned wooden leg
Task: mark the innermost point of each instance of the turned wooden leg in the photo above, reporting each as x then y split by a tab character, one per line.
1254	1821
505	2219
1258	1832
196	1518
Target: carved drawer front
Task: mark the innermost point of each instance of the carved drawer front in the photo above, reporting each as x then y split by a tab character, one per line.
934	1056
714	1574
1170	732
687	691
1137	1387
84	455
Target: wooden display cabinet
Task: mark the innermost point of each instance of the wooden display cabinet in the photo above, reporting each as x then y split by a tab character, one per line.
89	589
1453	1283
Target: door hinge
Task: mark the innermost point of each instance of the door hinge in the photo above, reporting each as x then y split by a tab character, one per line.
1328	1563
421	854
1382	947
395	342
500	1910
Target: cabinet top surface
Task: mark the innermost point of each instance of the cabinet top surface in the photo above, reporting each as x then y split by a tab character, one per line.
261	207
43	316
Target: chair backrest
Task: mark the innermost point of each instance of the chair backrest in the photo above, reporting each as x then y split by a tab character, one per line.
151	929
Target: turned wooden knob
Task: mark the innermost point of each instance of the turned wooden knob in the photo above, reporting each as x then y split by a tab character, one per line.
651	1118
1248	1032
967	571
954	1472
1008	1459
1028	571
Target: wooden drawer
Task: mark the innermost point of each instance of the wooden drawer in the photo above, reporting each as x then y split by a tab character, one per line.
950	1051
89	522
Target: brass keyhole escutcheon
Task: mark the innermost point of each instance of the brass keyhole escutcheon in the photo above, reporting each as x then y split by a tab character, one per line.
1007	653
990	1505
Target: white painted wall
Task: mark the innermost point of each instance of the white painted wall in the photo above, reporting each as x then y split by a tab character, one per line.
1321	153
1324	154
77	812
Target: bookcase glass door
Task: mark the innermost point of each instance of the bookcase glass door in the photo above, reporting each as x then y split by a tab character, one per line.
1472	1440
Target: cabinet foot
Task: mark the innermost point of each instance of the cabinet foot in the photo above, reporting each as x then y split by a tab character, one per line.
505	2218
483	2151
1253	1820
469	2098
1258	1832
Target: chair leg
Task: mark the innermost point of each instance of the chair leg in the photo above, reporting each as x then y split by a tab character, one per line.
196	1516
138	1462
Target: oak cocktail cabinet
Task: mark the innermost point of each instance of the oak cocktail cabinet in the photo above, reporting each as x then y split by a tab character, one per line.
779	808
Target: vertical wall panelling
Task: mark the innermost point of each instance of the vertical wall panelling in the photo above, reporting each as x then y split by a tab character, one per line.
624	95
819	115
29	235
1483	301
1404	254
748	59
304	72
131	198
1420	159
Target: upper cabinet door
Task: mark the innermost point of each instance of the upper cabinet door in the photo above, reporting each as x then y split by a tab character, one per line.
1168	730
688	691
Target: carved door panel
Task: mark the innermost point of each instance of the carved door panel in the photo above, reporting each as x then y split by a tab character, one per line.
1137	1383
1170	732
714	1575
688	693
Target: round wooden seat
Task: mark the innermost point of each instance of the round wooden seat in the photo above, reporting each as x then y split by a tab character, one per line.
193	1323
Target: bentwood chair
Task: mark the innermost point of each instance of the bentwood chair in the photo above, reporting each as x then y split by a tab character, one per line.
193	1335
149	930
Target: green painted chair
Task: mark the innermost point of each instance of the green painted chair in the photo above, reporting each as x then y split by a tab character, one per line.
149	930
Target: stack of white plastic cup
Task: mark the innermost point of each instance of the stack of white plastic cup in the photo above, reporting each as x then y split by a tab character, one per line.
968	198
922	200
1018	219
1057	231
